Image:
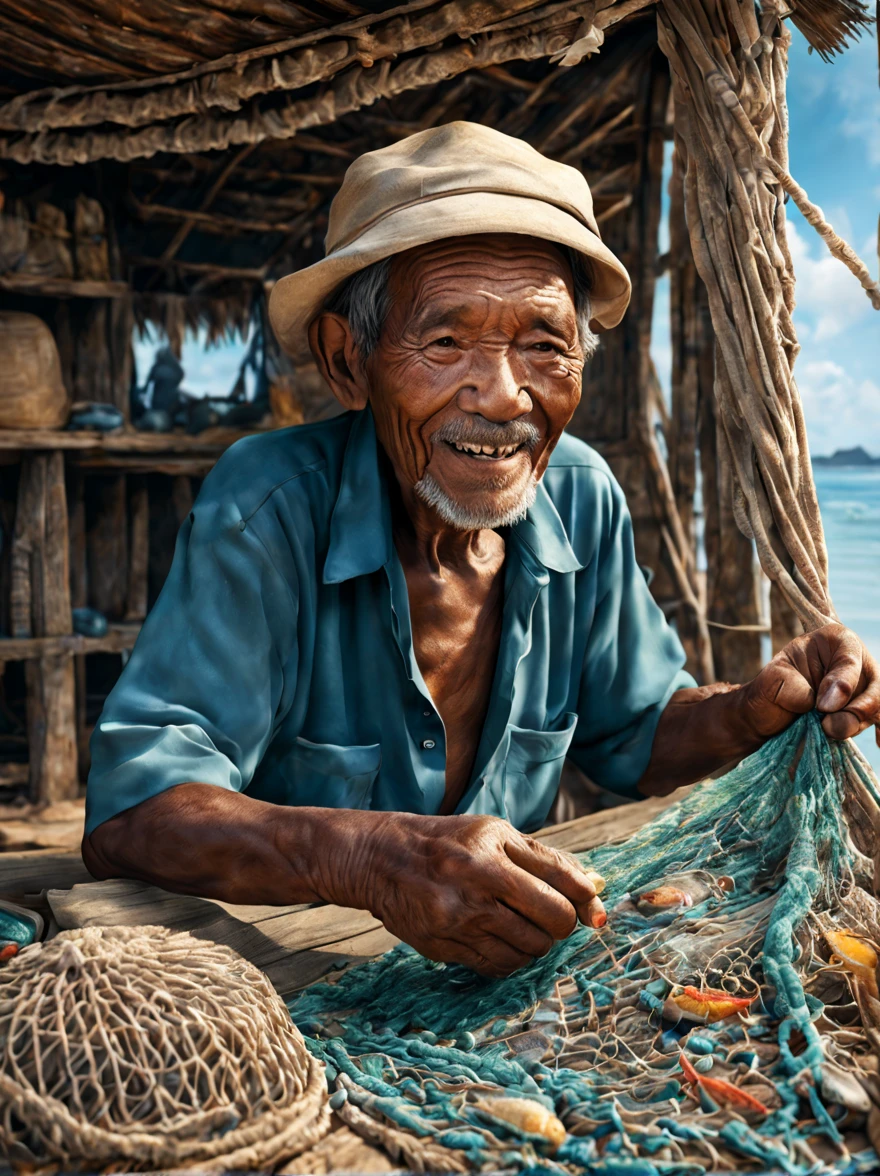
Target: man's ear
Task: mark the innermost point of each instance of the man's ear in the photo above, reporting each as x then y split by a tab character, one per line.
338	361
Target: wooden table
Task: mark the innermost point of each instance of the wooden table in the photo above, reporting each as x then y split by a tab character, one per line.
293	945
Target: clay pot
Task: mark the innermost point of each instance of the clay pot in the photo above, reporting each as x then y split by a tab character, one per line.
32	393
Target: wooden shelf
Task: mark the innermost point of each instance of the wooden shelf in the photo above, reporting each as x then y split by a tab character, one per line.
212	442
38	286
117	639
13	774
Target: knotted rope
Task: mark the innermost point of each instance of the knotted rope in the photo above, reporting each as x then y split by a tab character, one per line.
731	130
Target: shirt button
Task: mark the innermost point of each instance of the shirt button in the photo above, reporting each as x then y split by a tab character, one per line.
427	713
428	744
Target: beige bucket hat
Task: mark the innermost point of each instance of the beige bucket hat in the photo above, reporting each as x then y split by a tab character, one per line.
450	181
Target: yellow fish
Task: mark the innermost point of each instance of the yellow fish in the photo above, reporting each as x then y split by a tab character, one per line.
526	1115
856	956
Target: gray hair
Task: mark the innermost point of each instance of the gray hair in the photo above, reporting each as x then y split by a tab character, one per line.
365	301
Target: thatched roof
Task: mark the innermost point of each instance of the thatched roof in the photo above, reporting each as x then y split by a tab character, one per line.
215	134
248	71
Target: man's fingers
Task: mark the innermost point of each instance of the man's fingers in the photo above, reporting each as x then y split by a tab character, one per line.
520	933
785	686
566	880
842	725
486	955
843	674
861	712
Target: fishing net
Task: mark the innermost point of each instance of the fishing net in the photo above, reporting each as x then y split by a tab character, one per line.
725	1016
147	1048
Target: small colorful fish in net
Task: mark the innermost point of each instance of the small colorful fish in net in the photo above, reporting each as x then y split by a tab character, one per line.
725	1017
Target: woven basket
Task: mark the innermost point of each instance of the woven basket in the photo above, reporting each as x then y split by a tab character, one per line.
32	393
142	1048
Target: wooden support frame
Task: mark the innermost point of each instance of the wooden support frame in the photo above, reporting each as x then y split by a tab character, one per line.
41	608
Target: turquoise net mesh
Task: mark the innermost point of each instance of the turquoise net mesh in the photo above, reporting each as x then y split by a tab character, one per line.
611	1054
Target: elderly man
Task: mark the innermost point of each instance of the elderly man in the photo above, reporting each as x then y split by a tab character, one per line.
382	634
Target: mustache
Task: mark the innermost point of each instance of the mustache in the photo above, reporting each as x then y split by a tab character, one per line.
477	430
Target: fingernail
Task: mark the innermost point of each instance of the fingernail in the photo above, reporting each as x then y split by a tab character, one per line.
599	920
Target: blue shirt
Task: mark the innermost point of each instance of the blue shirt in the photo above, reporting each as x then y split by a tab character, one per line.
279	657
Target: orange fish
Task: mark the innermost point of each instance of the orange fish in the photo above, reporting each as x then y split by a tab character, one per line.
7	952
721	1091
667	896
710	1004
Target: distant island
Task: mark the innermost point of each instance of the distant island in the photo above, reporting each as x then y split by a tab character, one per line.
847	457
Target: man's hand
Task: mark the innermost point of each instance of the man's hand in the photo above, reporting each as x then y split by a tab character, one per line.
472	890
466	889
704	728
830	670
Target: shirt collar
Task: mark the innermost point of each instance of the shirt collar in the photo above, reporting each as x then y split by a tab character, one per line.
543	533
360	527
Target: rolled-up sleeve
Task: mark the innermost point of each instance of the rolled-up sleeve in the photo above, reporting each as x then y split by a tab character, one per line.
198	699
633	663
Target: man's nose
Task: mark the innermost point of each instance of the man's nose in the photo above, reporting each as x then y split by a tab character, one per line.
493	389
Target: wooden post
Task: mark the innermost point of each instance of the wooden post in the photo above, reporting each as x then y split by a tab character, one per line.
93	377
121	353
139	546
41	607
107	544
79	598
732	575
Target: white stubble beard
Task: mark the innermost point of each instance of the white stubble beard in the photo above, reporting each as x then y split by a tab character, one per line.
485	518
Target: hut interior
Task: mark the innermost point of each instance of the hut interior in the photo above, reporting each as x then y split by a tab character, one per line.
164	164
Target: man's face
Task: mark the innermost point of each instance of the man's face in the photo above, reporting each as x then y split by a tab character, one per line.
477	372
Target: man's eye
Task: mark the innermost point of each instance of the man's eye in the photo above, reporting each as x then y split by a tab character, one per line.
544	346
445	341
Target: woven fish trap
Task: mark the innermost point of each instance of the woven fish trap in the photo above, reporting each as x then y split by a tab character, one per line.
147	1048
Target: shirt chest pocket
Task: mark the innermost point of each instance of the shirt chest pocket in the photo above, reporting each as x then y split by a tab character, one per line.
531	772
331	775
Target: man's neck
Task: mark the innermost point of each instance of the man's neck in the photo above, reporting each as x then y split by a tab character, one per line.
423	539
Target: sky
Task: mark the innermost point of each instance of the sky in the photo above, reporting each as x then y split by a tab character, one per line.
835	154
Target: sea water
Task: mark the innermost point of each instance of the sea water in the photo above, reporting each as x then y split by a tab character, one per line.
849	499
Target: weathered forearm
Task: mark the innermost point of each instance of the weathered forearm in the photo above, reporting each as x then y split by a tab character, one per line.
701	730
200	839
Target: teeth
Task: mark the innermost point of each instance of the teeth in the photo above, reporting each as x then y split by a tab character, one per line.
485	450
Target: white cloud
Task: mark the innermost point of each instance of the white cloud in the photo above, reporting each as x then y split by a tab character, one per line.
829	298
840	411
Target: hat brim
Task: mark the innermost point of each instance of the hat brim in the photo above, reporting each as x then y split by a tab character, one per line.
297	298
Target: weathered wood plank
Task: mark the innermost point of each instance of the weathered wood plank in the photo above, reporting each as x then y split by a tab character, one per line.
61	287
41	606
26	539
211	441
30	871
118	638
107	544
608	825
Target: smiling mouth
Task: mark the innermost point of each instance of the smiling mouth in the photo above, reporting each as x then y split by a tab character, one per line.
484	452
